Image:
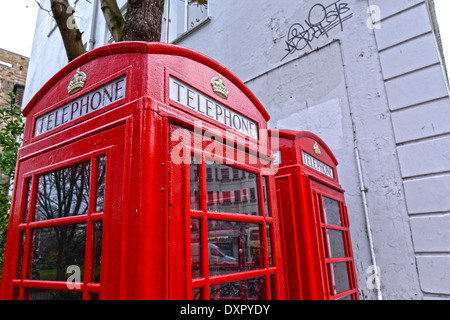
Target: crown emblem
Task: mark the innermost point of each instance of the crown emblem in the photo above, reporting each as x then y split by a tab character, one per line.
219	87
77	82
317	149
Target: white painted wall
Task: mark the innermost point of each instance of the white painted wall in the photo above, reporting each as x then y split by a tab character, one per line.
383	90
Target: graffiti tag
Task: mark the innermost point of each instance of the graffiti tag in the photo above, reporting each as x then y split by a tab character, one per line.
321	20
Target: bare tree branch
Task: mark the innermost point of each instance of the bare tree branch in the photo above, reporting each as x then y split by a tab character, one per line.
64	17
42	8
142	22
114	18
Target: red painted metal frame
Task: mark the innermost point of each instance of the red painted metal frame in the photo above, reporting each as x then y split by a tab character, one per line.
180	227
139	254
37	164
298	188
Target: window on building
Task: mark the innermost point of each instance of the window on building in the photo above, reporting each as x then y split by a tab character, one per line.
184	16
225	174
18	91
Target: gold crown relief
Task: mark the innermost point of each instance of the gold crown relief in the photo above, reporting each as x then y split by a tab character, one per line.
219	87
77	82
317	149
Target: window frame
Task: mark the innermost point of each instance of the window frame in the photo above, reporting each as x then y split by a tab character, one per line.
187	30
327	261
269	269
87	287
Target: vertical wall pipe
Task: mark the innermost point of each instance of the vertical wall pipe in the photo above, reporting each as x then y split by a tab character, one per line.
93	25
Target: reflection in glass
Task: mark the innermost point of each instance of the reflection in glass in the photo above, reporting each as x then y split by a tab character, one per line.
26	206
97	251
63	193
185	15
94	296
100	189
16	293
20	257
196	249
194	169
269	244
43	294
233	246
231	190
244	289
266	196
331	211
197	293
176	18
197	12
55	249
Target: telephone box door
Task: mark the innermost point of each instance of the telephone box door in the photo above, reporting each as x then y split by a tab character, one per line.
330	212
65	229
222	229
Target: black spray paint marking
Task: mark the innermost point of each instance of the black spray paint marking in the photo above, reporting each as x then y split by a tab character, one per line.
321	19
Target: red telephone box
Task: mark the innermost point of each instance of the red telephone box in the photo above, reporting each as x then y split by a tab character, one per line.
144	175
315	235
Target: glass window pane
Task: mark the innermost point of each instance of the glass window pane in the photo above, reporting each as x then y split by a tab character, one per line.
196	249
100	188
336	243
243	289
177	15
326	245
57	248
97	251
269	244
197	293
197	12
266	196
230	195
63	193
16	293
26	206
331	211
194	183
340	277
20	257
94	296
43	294
233	247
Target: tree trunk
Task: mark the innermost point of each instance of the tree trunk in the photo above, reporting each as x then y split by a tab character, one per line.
71	35
143	20
114	18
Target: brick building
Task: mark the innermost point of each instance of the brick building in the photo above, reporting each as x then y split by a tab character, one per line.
13	74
